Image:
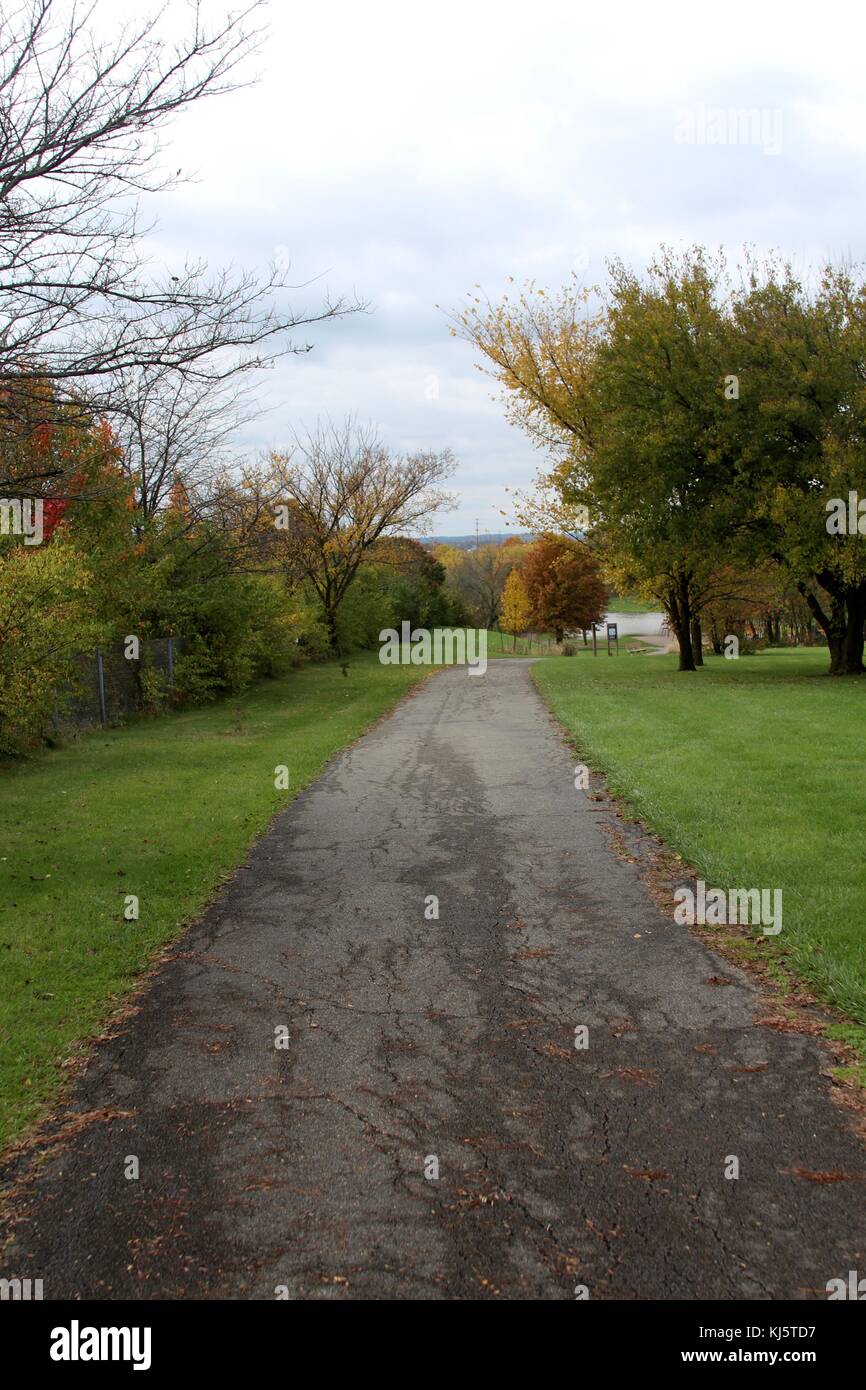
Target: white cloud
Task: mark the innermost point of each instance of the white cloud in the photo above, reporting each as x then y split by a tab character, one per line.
407	152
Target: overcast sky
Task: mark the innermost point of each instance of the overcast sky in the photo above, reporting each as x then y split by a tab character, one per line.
408	152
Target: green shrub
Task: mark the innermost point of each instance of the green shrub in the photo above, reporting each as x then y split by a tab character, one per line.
45	619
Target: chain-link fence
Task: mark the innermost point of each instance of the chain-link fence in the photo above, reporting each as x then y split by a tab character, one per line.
107	685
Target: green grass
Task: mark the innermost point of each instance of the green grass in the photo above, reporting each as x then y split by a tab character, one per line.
162	809
755	772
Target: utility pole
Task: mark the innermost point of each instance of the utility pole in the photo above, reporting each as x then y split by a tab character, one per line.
477	542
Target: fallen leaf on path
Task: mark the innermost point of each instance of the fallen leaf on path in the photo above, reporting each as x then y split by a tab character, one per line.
808	1175
468	1201
639	1074
810	1027
486	1284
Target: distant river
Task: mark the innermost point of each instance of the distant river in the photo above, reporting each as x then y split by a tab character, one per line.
636	624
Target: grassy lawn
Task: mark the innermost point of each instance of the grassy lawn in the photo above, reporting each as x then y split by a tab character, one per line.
755	772
162	809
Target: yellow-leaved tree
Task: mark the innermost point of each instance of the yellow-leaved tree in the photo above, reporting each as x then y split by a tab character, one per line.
516	607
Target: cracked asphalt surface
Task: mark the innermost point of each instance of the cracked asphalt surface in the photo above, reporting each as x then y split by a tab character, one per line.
304	1168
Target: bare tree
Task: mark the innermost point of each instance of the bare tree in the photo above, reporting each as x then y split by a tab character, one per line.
340	489
175	429
480	577
80	125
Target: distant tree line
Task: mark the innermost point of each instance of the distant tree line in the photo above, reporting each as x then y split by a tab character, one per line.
550	583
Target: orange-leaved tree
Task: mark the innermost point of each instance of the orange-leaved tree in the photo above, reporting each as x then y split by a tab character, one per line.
564	584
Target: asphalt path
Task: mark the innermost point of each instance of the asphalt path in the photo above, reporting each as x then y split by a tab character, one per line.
332	1092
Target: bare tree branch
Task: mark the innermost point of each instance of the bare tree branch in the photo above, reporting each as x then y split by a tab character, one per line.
80	125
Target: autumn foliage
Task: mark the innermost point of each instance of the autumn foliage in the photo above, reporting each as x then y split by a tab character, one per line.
564	585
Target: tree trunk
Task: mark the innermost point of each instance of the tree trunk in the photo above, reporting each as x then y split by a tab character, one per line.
833	625
678	609
852	643
697	640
